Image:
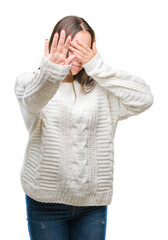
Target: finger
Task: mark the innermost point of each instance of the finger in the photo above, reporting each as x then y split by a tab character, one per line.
77	51
82	46
61	41
54	44
69	59
66	45
79	57
46	51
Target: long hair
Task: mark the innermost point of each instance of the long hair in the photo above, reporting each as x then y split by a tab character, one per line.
73	25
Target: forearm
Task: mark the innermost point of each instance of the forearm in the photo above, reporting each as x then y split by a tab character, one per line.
34	90
133	93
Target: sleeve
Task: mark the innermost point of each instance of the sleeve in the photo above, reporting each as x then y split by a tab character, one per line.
34	90
130	93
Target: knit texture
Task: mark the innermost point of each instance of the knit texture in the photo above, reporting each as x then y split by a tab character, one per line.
69	157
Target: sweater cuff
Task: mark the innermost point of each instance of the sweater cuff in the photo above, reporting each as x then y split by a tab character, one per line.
54	68
92	63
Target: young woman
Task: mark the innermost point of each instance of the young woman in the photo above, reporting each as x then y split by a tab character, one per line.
71	106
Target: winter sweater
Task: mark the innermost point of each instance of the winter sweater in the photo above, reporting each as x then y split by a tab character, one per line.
69	157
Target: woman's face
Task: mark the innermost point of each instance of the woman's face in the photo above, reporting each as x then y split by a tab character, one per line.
85	37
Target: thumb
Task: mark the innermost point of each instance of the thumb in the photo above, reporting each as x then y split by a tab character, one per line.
94	47
68	61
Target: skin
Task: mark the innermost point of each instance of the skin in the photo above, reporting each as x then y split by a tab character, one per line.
81	44
85	37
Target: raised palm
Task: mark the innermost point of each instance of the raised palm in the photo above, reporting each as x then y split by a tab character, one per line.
59	50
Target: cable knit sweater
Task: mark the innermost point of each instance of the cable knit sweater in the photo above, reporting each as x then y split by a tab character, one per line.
69	156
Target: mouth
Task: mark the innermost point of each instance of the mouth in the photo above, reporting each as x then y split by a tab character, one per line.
75	66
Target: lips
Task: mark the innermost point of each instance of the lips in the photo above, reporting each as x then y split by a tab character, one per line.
75	65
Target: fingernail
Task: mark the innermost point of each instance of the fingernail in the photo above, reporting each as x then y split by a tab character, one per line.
70	35
46	39
56	33
63	29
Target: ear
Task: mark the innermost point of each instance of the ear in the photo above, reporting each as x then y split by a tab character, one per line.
94	47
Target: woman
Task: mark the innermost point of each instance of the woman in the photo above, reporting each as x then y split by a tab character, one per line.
71	106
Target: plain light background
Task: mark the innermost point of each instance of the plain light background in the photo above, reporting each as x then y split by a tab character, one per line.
131	35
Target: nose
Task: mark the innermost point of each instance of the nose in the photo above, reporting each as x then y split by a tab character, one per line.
76	59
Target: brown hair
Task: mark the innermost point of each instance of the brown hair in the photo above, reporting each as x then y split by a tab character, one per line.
73	25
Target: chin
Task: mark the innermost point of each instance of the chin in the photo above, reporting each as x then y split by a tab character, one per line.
74	72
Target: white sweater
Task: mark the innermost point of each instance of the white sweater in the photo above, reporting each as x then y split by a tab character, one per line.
69	156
